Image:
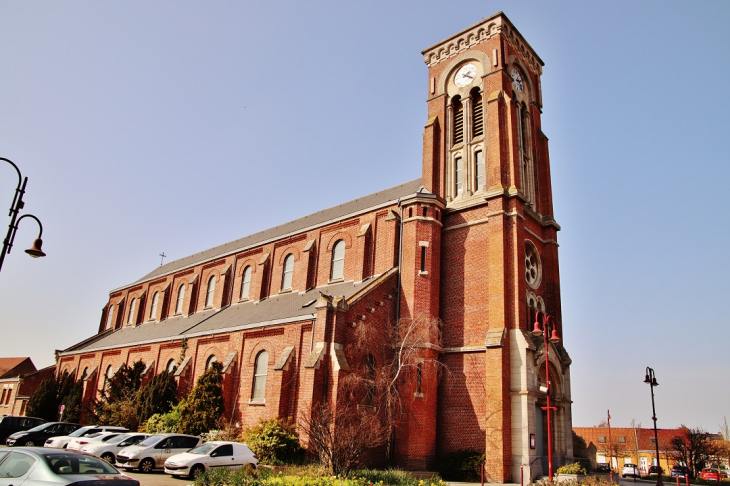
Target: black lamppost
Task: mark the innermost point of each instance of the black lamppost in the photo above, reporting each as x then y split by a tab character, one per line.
18	204
546	328
651	380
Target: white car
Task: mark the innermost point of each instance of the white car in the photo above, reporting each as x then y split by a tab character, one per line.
230	455
152	452
108	450
79	442
60	442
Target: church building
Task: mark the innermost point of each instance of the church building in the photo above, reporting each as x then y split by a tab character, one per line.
470	245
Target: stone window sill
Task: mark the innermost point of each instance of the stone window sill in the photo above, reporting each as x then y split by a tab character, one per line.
257	402
423	272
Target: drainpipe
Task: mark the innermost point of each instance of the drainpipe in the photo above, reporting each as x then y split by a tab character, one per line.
400	266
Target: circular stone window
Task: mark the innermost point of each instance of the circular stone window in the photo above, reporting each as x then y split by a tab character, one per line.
533	269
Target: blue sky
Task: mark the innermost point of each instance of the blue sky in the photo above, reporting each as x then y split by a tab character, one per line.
161	126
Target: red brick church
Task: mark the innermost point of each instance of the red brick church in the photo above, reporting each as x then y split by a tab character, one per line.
472	243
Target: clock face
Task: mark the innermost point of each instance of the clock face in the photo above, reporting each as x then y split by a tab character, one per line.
465	75
517	80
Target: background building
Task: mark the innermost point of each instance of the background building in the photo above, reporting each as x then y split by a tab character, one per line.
471	245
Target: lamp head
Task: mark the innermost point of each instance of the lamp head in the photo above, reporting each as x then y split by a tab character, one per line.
35	251
554	337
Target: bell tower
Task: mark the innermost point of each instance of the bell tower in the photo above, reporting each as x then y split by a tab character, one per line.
485	155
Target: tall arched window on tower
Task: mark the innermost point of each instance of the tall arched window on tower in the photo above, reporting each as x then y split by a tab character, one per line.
132	309
338	260
458	113
478	170
259	376
180	299
153	307
286	277
210	294
477	113
246	283
527	175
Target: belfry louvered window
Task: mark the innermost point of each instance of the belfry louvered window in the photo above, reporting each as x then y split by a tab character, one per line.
458	120
477	114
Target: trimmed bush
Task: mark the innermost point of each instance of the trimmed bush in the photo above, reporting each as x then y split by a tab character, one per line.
274	441
462	465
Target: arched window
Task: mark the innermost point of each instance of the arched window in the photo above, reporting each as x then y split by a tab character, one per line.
153	308
110	314
211	359
211	292
458	113
180	299
259	376
477	113
84	373
108	376
246	283
338	260
369	397
479	170
132	308
458	176
286	277
171	366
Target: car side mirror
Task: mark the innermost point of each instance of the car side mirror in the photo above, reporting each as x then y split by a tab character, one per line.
213	454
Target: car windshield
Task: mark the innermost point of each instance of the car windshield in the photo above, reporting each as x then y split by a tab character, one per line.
80	432
117	439
151	440
41	427
204	449
68	463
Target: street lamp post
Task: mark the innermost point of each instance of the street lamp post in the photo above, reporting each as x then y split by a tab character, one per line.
651	380
547	328
18	204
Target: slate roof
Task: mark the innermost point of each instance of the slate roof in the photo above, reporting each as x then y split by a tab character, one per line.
350	208
280	308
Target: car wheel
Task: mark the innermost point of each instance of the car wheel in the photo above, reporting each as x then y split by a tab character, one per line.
147	465
29	443
108	457
196	471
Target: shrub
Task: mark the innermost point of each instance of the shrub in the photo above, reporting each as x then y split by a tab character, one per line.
274	441
165	423
229	433
462	465
574	468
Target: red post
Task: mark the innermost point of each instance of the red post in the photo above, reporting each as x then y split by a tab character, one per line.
482	474
677	480
686	477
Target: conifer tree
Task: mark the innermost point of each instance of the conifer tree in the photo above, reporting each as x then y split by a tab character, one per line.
43	402
72	403
203	409
157	397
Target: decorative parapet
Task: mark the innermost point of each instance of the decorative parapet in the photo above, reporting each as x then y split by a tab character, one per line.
480	32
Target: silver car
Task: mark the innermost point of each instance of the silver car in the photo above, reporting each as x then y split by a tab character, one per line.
152	452
36	466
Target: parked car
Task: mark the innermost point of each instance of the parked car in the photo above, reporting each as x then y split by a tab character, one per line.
36	466
602	467
79	442
61	441
152	452
631	470
710	474
679	471
231	455
9	424
653	471
39	435
108	450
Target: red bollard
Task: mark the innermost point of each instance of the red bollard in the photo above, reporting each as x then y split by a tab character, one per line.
482	474
686	477
677	480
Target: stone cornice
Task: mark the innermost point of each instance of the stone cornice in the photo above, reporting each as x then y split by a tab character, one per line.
480	32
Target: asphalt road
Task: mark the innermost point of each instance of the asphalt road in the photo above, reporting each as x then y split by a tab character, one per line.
157	479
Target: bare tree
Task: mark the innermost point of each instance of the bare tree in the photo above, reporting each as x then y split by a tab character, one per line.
370	406
694	448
